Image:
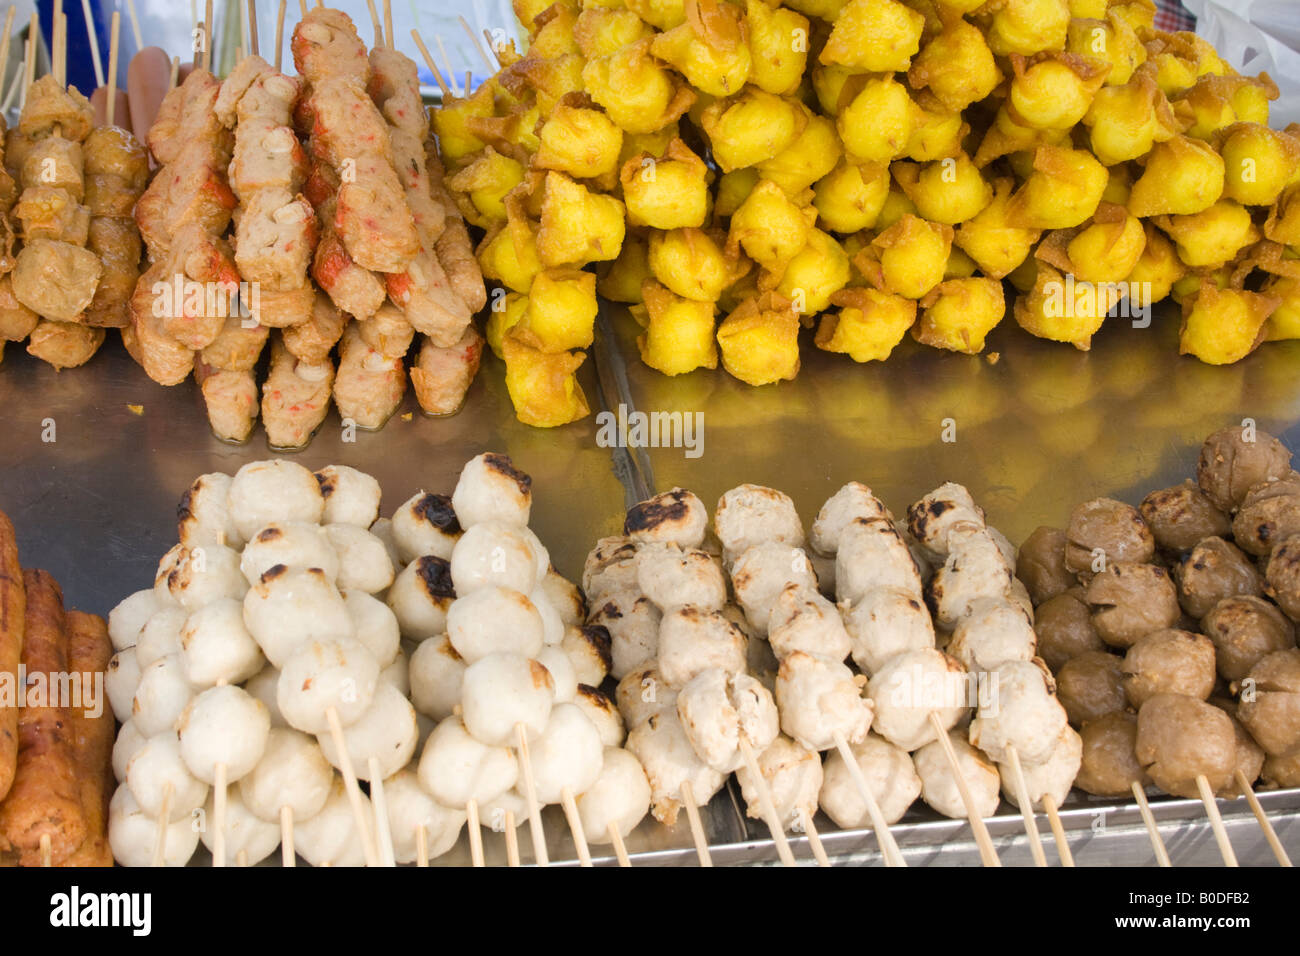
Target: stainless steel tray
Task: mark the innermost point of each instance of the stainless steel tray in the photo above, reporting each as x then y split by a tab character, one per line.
1040	430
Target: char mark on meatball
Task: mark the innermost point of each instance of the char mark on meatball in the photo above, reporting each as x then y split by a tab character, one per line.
273	572
504	466
649	515
436	574
327	484
599	638
269	534
183	509
437	511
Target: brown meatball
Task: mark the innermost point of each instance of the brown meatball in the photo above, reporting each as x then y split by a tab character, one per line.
1040	564
1250	756
1169	662
1265	520
1270	702
1131	600
1244	631
1282	575
1282	771
1230	466
1091	686
1110	527
1212	571
1181	516
1180	738
1110	765
1064	628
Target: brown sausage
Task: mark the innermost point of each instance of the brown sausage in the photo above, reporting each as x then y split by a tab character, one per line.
45	799
89	651
147	77
13	605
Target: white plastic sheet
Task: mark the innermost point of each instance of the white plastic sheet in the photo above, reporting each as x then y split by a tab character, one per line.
1257	36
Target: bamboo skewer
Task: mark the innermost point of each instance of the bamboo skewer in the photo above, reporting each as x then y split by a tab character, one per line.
1270	835
114	50
4	42
176	73
620	850
47	851
988	855
1216	821
697	827
530	795
472	824
433	67
388	25
1026	808
241	858
287	855
164	813
473	38
451	71
1058	830
252	28
888	848
93	36
279	35
135	26
575	826
29	63
1144	808
767	805
302	8
421	847
814	838
375	22
512	839
352	788
207	36
219	815
380	804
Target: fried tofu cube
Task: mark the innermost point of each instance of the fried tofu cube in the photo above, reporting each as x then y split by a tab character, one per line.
868	326
561	311
909	258
874	36
668	192
751	127
1213	237
1222	326
850	197
815	274
760	340
509	255
693	264
709	49
678	332
1064	189
777	61
584	143
1183	176
990	239
577	225
543	386
959	313
770	227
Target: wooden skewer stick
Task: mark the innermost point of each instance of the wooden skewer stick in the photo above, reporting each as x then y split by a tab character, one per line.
207	36
530	795
1144	808
29	61
243	33
988	855
697	826
1216	821
4	42
421	847
287	855
197	62
473	38
176	73
814	838
766	804
512	840
59	64
14	88
888	848
1265	824
279	35
219	815
302	8
114	50
352	788
47	851
620	850
252	28
375	22
380	804
163	822
493	47
575	826
1026	807
451	70
433	67
469	81
320	4
93	36
389	35
135	26
1058	830
471	824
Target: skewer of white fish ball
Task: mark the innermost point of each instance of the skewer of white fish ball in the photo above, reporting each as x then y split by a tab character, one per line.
277	490
461	772
616	802
350	497
490	488
290	783
566	760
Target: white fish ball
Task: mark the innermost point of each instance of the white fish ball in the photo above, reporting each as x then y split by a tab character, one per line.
455	768
223	725
275	490
324	676
289	609
491	488
436	673
364	564
216	646
495	620
351	497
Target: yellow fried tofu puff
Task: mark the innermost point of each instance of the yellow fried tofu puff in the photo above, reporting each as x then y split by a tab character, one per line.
1284	323
834	86
1158	268
550	79
1212	237
732	190
996	245
484	184
1029	26
753	126
1283	223
909	258
1006	137
778	47
1222	326
456	142
602	31
876	125
874	36
895	207
508	253
662	14
759	340
937	132
679	332
1053	90
505	314
811	156
850	197
1110	39
814	275
1258	163
770	227
554	36
868	326
957	66
693	263
1183	176
1125	122
960	265
1063	311
667	192
639	95
1139	14
577	225
528	11
1065	188
579	141
621	279
958	314
543	386
950	190
709	49
1216	102
561	311
1106	250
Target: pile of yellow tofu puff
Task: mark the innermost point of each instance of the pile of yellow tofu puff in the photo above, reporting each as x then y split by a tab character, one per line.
739	170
